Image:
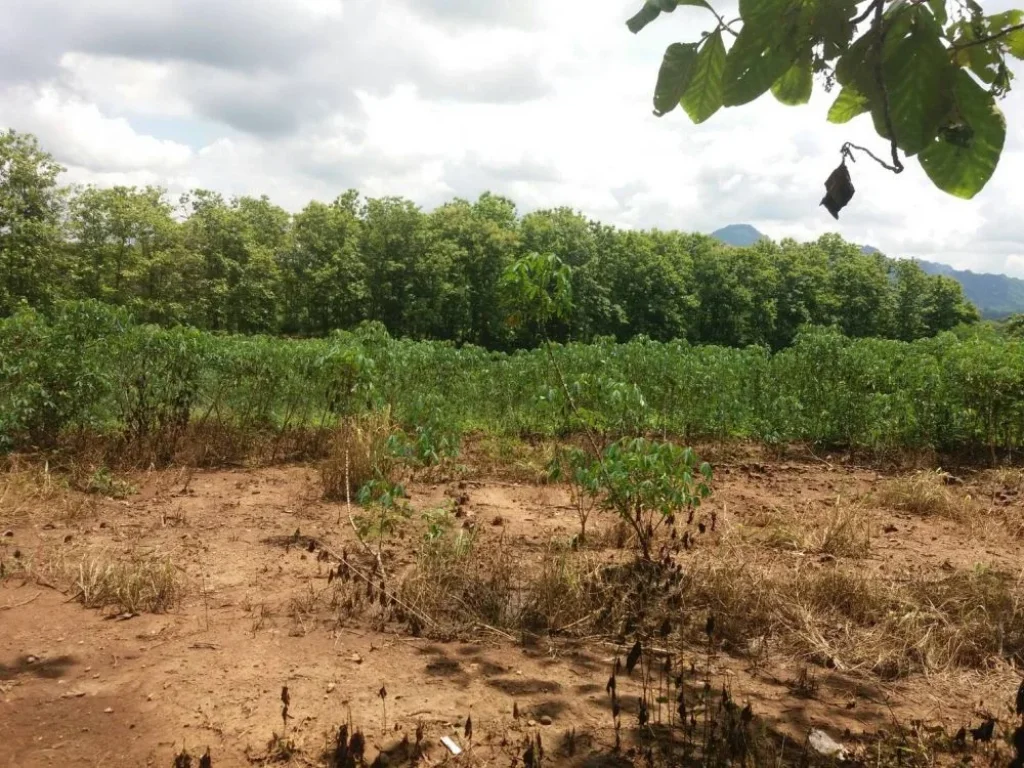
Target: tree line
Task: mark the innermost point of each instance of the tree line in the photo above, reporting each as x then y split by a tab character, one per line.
246	265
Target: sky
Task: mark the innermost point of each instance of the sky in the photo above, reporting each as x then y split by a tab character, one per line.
546	102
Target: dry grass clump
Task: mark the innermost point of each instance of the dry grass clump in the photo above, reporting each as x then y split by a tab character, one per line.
136	584
926	493
26	488
891	627
461	585
845	532
357	453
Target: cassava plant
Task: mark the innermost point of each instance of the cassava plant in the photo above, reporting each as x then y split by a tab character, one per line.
650	484
583	473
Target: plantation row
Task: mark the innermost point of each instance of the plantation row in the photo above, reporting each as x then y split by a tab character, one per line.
88	369
249	266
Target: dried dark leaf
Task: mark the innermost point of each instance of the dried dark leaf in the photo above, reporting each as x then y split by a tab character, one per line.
709	626
1020	699
983	732
468	729
610	687
666	628
634	656
838	190
383	692
357	746
206	761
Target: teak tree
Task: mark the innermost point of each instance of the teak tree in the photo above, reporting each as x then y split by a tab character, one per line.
929	72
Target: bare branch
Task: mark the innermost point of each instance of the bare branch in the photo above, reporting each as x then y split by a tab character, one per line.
850	145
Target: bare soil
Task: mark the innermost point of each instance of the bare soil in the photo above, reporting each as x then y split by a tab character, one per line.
82	687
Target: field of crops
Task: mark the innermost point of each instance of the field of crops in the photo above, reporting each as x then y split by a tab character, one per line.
90	370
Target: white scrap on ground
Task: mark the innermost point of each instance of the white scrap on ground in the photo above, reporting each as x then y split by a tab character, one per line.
825	745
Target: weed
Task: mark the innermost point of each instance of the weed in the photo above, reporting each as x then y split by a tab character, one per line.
102	482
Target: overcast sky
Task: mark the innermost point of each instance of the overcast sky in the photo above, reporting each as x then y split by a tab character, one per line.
548	102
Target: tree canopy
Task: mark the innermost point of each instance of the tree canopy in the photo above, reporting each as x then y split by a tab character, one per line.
929	72
246	265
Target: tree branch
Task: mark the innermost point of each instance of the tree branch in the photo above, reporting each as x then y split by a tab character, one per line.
850	145
868	11
988	38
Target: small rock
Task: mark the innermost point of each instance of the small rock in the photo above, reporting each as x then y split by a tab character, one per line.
330	687
545	720
531	723
356	658
109	710
8	533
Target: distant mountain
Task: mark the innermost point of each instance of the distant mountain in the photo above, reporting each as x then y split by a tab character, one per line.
740	235
995	296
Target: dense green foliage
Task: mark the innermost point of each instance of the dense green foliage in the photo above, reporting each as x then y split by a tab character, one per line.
928	73
248	266
89	368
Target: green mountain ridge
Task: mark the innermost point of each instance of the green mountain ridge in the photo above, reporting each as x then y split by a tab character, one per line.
995	295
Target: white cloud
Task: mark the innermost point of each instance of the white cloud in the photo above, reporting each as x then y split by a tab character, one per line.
546	102
83	136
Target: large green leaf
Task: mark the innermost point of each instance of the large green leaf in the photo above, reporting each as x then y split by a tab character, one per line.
703	96
1015	43
938	8
848	104
755	61
963	157
918	76
674	76
794	87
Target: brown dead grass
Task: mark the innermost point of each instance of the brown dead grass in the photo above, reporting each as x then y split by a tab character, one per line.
846	531
357	453
891	627
461	586
925	493
118	582
27	487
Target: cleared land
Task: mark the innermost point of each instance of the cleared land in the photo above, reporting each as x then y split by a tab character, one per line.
883	607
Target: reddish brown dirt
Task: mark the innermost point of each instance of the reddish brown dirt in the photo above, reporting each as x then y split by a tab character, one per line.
79	688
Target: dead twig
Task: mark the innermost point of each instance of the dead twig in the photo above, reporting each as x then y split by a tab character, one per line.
18	605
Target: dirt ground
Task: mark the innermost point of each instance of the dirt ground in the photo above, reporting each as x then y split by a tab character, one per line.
80	687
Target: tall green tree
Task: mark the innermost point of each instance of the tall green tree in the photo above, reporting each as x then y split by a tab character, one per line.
32	258
324	278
